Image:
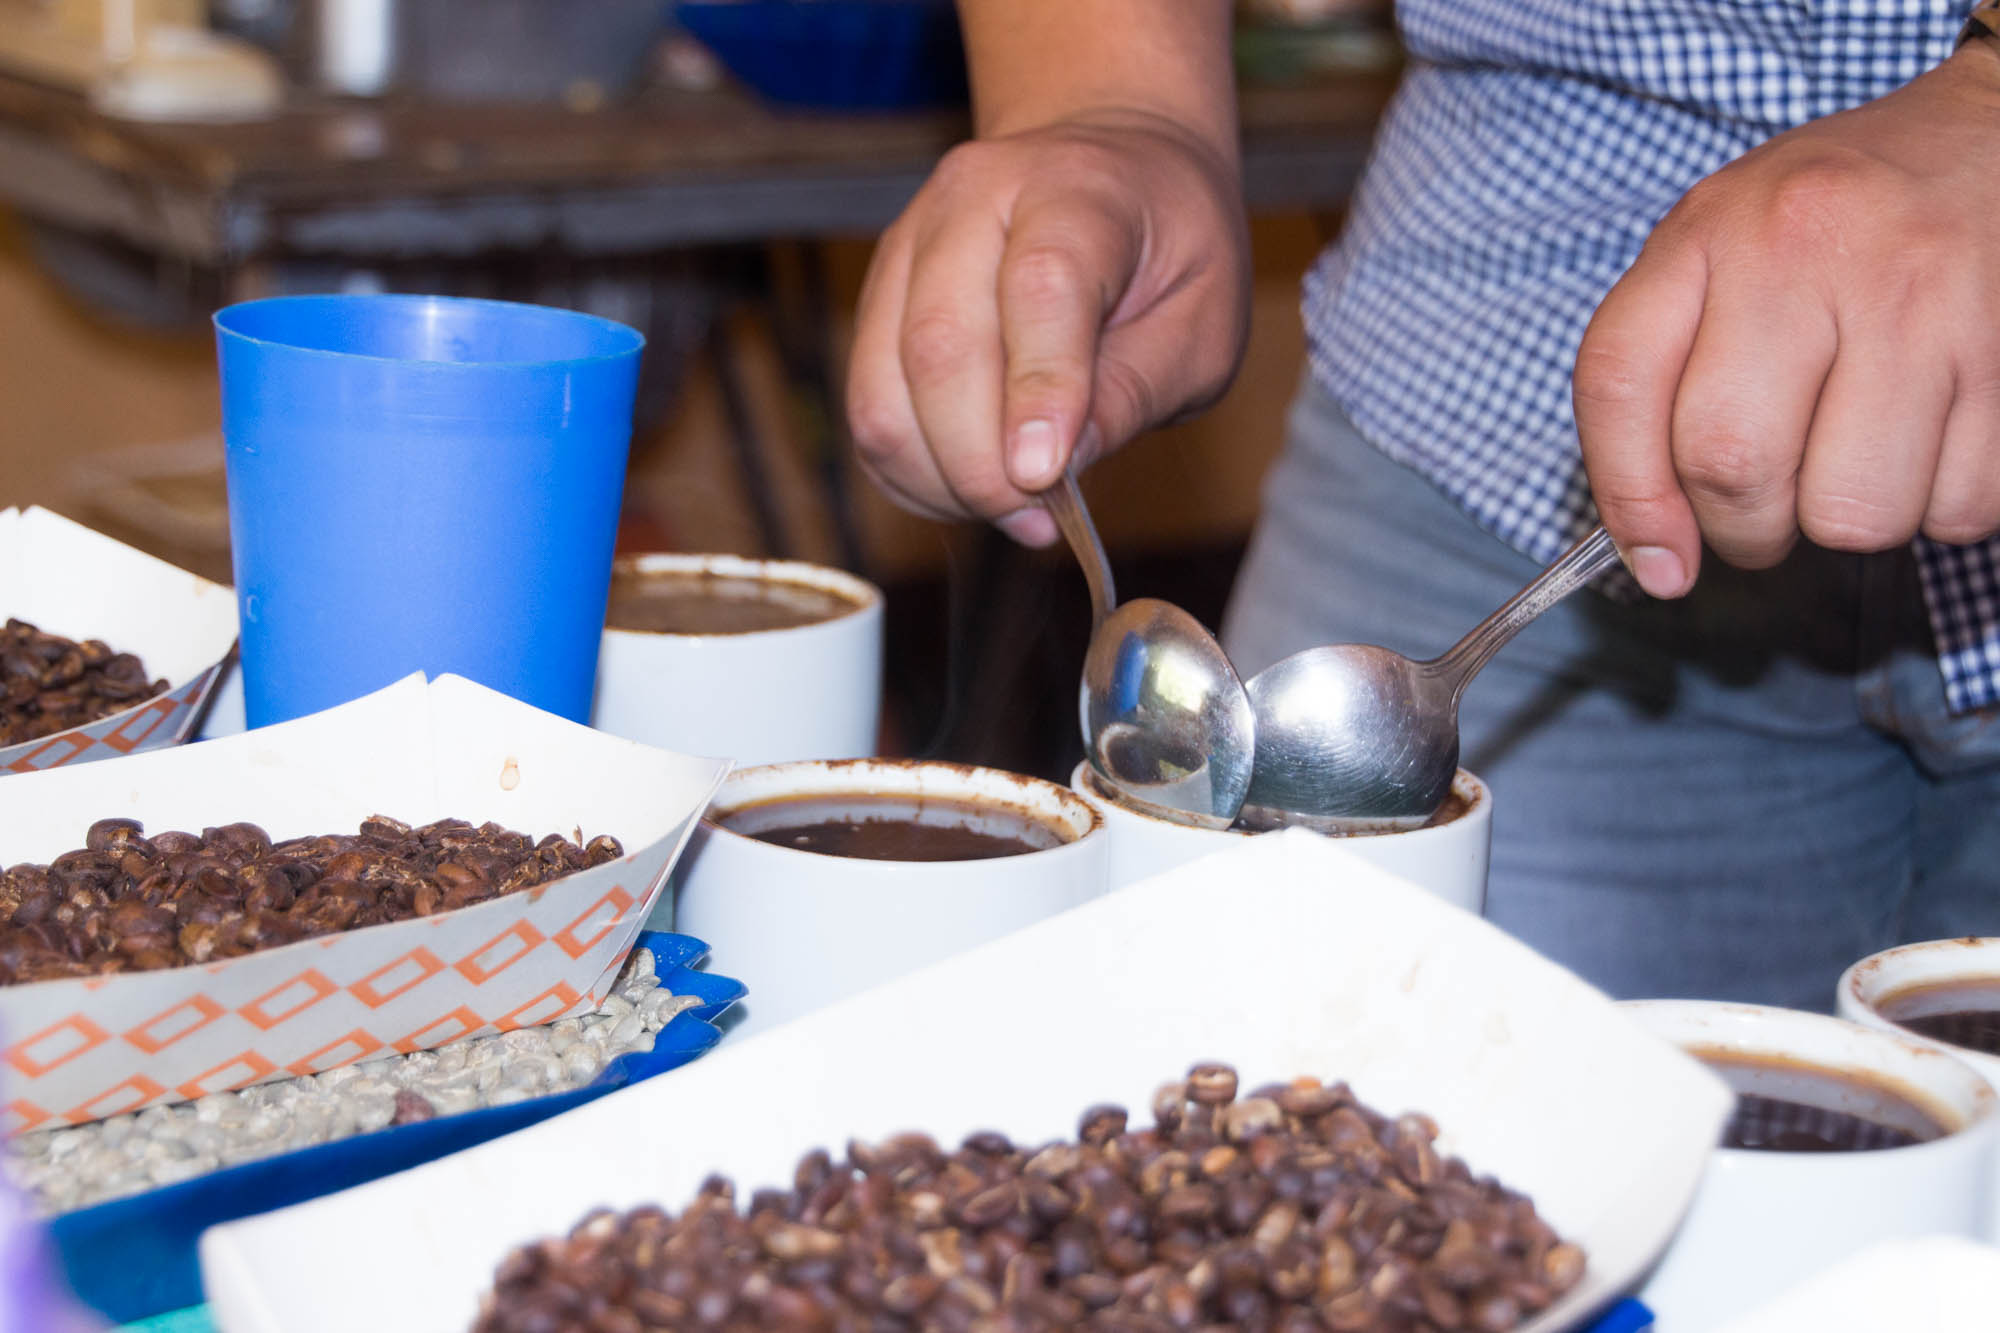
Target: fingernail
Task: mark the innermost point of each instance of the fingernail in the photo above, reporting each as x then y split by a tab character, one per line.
1659	571
1034	452
1030	527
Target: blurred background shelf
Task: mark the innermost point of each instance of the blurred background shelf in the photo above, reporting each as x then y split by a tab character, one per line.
733	231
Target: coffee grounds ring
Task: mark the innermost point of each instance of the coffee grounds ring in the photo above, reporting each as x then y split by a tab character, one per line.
1296	1209
128	903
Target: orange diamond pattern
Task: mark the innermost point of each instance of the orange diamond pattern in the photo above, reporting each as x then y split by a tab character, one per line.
355	1046
124	740
169	1026
56	1045
288	999
501	952
460	1022
386	983
65	1065
130	1095
53	753
231	1074
600	919
21	1115
547	1007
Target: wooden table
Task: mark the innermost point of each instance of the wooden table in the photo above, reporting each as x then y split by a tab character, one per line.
367	182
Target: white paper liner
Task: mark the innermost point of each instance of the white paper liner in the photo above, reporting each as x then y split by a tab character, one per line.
66	579
88	1048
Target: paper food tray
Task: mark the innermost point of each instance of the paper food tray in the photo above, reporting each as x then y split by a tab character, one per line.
87	1048
134	1257
65	579
1285	957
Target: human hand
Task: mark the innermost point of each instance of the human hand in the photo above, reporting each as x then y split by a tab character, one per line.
1810	343
1061	288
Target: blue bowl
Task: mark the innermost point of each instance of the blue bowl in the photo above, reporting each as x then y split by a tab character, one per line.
135	1257
836	54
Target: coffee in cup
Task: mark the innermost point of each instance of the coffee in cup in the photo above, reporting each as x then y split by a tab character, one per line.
757	661
1963	1012
1790	1106
888	826
702	601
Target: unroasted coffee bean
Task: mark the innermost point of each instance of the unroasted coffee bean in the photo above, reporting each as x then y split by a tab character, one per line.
124	902
1295	1210
50	684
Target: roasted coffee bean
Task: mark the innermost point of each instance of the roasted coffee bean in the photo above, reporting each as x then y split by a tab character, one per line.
1211	1085
1140	1231
1101	1124
124	902
50	684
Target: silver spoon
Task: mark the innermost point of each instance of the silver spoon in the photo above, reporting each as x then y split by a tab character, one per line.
1353	735
1166	722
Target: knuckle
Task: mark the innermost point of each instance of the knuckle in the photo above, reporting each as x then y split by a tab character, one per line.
963	164
1962	520
1813	199
1041	386
1608	372
878	424
1721	462
1840	521
936	346
1958	530
1047	274
1754	552
1630	508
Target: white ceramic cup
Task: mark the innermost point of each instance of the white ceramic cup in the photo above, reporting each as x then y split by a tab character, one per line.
1447	859
1864	986
1763	1221
757	697
801	929
1874	979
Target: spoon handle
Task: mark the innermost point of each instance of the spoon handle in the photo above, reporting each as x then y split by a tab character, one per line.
1574	568
1065	502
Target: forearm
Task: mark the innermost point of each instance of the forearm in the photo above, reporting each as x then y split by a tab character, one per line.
1034	62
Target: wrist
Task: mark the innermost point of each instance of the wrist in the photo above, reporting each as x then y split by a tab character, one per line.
1974	66
1979	40
1214	153
1039	64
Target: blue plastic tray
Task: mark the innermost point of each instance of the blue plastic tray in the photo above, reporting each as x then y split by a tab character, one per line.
135	1257
1628	1316
837	54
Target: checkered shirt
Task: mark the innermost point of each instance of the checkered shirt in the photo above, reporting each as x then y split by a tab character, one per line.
1532	147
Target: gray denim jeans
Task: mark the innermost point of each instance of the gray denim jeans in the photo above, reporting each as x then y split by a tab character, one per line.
1730	796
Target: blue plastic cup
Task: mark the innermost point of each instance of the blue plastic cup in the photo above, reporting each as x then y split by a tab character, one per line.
421	483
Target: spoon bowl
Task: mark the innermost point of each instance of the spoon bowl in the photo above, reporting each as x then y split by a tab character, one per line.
1353	735
1166	722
